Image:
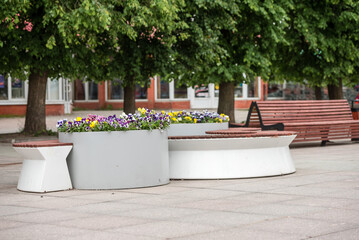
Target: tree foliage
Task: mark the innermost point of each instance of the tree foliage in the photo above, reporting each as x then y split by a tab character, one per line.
77	39
229	42
323	47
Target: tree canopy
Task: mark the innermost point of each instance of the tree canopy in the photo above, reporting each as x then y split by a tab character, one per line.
229	42
77	39
323	47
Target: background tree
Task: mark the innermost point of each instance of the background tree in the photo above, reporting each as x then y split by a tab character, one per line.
324	47
230	42
68	39
145	55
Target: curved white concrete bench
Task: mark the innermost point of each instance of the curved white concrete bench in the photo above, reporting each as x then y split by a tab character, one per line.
44	168
231	156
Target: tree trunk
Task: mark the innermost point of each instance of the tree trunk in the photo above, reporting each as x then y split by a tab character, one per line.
35	121
335	91
318	93
226	100
129	100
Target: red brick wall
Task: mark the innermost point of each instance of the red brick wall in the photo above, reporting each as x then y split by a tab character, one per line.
20	110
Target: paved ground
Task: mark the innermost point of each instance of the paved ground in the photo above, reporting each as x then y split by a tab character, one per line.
319	201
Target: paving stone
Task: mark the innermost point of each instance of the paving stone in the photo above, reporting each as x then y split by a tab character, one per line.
225	219
7	210
242	234
336	215
167	229
351	234
302	228
19	197
107	208
227	204
6	224
111	236
102	222
205	194
43	231
267	197
258	186
56	202
323	202
45	216
161	213
303	191
158	200
108	195
279	209
159	189
349	194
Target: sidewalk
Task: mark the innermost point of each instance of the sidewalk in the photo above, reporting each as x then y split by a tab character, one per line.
319	201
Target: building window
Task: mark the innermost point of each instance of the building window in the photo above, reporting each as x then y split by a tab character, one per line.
216	90
141	92
3	88
85	90
79	90
115	90
163	88
201	91
253	89
92	91
53	90
238	91
180	91
275	91
17	89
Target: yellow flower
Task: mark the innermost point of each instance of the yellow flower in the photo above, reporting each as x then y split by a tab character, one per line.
170	114
222	115
78	119
163	112
195	120
220	120
93	124
139	109
87	120
174	119
188	118
180	112
175	113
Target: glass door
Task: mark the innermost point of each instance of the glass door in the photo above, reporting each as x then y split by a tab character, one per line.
204	96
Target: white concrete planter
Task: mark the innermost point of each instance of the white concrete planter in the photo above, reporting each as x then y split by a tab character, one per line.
193	129
118	159
224	158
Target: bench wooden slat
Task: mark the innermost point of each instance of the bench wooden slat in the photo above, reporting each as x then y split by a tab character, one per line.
36	144
311	119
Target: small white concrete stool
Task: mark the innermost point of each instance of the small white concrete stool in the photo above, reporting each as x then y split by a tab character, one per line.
44	168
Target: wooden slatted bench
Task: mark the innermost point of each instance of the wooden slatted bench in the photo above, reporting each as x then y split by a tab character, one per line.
223	156
44	168
317	120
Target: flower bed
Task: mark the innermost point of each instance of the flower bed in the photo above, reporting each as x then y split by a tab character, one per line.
144	120
196	123
106	154
197	117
